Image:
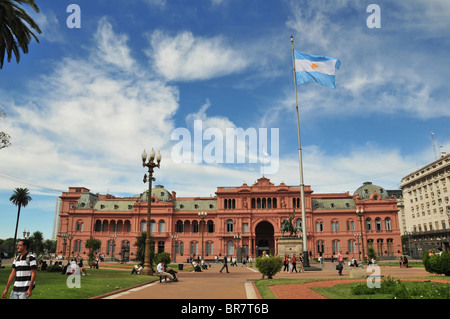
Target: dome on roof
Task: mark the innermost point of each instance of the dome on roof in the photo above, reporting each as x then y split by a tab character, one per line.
159	192
368	188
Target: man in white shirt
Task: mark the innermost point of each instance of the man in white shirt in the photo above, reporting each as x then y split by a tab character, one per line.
160	271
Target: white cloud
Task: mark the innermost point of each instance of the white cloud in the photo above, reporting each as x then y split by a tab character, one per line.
112	47
82	124
186	57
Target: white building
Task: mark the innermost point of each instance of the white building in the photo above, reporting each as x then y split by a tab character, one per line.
427	207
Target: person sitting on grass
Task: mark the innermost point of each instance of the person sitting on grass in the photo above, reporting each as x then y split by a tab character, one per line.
137	269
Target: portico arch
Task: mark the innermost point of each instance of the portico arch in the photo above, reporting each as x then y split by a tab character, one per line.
264	238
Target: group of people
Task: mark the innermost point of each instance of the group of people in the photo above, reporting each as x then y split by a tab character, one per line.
290	263
163	270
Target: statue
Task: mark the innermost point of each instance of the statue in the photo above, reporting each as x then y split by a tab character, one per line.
286	226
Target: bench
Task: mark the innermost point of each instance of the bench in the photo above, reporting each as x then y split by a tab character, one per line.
161	277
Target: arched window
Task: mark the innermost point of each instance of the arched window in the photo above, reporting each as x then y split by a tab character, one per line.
194	248
387	224
152	226
195	228
350	225
229	226
162	226
210	226
320	246
79	226
98	226
319	226
334	226
179	226
378	224
368	224
143	226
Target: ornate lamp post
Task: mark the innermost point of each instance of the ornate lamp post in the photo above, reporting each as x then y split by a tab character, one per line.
148	270
202	216
26	234
357	235
360	214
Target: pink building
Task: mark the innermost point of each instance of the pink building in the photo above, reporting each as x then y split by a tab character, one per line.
242	220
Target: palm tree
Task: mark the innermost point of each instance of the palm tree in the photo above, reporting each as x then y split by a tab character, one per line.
20	198
15	26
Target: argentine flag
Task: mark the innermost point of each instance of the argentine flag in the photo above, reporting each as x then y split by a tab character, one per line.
315	68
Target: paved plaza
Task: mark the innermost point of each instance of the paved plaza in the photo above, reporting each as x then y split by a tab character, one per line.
238	284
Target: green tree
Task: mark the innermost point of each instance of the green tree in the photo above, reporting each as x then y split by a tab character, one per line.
93	245
15	28
371	253
140	244
20	198
164	256
37	244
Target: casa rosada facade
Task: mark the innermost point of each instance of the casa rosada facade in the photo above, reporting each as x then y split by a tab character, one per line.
240	221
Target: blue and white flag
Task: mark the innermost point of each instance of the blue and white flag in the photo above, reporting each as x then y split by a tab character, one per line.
315	68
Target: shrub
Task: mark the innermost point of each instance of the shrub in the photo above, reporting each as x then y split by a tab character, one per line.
269	266
54	268
163	257
437	264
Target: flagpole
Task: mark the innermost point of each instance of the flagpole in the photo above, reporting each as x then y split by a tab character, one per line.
302	184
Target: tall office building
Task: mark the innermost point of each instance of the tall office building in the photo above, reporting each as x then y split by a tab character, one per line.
427	207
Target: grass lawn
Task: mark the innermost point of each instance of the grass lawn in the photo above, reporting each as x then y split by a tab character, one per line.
409	289
53	285
405	290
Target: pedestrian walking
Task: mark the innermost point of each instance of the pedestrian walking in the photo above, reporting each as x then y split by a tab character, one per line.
294	263
225	264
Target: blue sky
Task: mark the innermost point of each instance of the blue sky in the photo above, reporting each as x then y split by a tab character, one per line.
85	102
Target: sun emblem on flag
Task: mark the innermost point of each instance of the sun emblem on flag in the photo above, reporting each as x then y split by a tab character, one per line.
314	66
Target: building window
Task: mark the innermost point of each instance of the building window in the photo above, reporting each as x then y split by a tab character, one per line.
79	226
319	226
179	226
378	224
351	246
245	227
334	226
160	247
368	224
336	246
162	226
387	224
210	226
320	246
350	225
194	248
229	226
195	226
